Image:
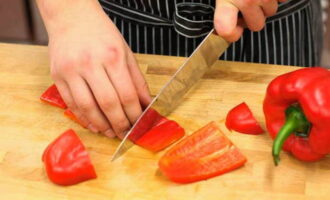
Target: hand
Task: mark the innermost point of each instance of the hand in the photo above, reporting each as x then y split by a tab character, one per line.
96	73
254	13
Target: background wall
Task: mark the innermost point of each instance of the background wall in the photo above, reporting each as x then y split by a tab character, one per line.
20	22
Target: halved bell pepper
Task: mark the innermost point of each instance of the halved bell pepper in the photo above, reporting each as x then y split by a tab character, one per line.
297	112
241	119
53	97
202	155
66	160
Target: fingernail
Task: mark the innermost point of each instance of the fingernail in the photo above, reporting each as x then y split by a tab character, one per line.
109	133
92	128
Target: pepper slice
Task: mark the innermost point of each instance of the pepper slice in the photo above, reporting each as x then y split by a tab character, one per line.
165	133
241	119
53	97
156	132
66	160
202	155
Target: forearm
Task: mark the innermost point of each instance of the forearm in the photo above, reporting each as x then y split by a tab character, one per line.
60	15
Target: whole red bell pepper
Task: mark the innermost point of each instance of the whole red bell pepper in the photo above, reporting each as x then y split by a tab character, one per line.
297	112
66	160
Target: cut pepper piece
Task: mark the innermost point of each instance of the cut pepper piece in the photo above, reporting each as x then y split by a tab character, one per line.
156	132
202	155
165	133
71	116
66	160
53	97
241	119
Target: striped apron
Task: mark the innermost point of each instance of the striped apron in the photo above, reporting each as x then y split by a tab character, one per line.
175	27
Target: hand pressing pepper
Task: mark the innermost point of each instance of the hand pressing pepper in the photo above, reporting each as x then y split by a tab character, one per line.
297	111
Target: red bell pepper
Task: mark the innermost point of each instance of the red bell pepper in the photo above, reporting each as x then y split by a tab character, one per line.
241	119
53	97
71	116
161	135
66	160
156	132
202	155
297	112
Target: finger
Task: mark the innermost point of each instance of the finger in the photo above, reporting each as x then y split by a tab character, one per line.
140	83
68	99
108	101
86	104
225	21
110	133
269	7
254	17
123	85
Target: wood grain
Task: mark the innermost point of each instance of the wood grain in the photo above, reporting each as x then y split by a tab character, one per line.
28	126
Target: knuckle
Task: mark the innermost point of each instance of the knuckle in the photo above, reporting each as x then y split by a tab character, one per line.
85	106
107	103
257	26
114	55
121	125
128	99
272	12
103	127
249	2
66	66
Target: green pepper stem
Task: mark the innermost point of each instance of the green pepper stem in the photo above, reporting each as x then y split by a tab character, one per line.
295	122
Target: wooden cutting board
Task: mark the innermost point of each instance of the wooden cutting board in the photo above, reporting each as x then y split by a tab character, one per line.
28	126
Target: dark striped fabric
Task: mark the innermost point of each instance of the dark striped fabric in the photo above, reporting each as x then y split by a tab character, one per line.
175	27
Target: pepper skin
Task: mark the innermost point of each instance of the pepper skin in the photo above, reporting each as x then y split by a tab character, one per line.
241	119
66	160
53	97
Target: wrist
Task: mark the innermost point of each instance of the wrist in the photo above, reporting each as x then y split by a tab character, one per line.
62	15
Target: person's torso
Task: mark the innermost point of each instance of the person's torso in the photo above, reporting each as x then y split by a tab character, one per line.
176	27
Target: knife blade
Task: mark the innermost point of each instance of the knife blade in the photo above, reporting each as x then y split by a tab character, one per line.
200	61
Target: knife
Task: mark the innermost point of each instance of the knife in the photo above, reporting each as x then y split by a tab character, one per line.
200	61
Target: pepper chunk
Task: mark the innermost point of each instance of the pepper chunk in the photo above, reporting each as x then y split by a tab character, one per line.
53	97
241	119
67	161
202	155
165	133
156	132
297	112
